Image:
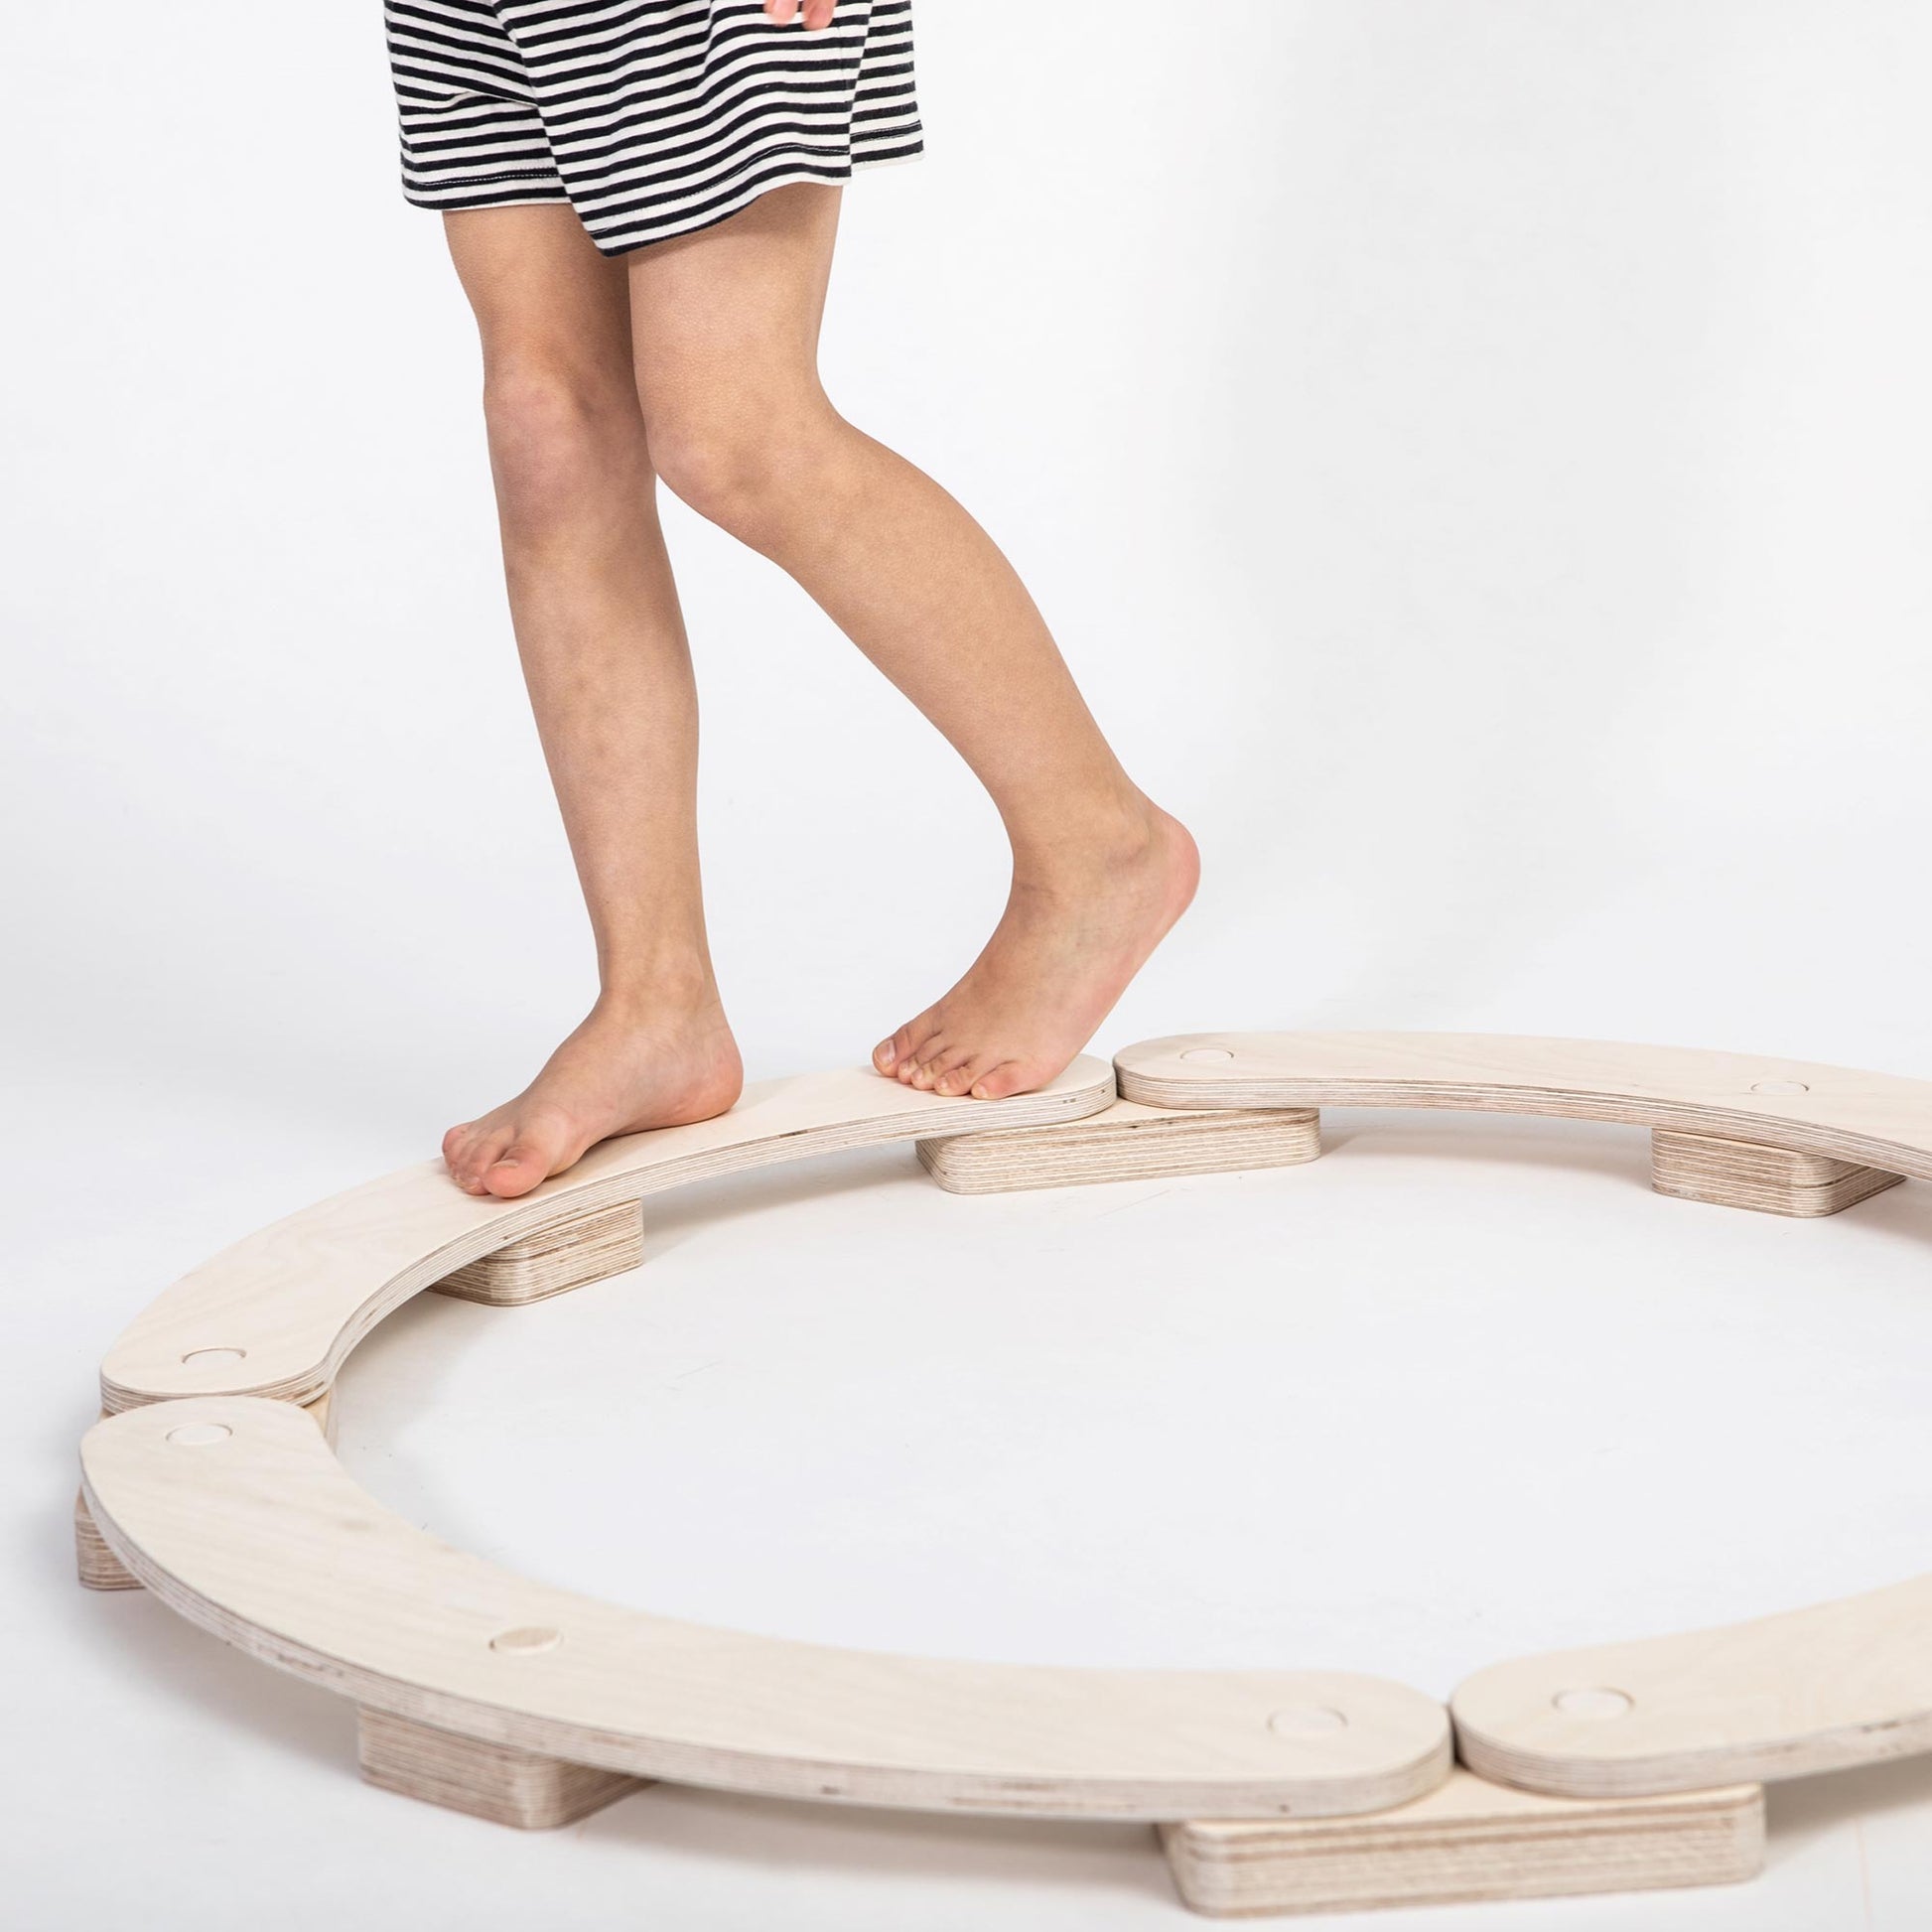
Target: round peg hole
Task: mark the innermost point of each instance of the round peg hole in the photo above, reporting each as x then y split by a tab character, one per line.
1596	1703
1207	1054
1779	1086
526	1640
198	1434
1306	1720
214	1358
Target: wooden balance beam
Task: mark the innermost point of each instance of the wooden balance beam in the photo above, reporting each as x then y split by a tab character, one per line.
1612	1768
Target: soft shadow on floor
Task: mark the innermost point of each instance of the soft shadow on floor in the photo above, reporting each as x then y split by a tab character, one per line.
137	1641
1802	1809
675	1821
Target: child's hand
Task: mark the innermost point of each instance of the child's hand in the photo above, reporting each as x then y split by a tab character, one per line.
816	12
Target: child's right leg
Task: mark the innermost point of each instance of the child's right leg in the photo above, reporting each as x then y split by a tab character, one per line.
604	652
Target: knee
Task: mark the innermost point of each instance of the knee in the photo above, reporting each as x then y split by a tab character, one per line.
557	437
745	471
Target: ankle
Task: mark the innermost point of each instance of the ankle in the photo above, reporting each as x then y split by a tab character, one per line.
648	995
1101	837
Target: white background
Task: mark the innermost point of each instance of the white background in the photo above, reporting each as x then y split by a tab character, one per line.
1475	455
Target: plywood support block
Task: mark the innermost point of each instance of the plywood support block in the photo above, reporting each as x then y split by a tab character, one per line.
1465	1842
1771	1179
492	1781
1128	1142
569	1253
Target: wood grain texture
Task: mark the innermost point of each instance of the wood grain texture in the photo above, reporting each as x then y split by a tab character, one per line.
297	1297
1128	1142
1780	1696
1874	1120
492	1781
233	1511
570	1253
1468	1840
1766	1179
98	1567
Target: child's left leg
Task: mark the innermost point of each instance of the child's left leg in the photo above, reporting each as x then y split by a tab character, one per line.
726	325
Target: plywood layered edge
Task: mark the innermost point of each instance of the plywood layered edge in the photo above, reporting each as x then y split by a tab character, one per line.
1126	1141
297	1297
1872	1120
571	1252
1765	1179
507	1787
1466	1842
233	1511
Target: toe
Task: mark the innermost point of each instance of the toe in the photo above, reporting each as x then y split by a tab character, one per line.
521	1168
912	1043
545	1142
900	1049
946	1068
476	1155
1001	1083
885	1056
455	1153
931	1059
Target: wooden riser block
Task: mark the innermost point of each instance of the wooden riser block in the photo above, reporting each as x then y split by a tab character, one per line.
492	1781
1769	1180
1467	1842
98	1567
567	1254
1128	1142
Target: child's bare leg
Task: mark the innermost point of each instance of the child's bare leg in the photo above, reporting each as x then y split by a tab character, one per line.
726	324
604	653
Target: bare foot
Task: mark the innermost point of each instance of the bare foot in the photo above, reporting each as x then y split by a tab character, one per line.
1062	954
623	1069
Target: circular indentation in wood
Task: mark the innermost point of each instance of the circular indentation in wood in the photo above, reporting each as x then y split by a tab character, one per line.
198	1434
1208	1053
1306	1720
1779	1086
1596	1701
526	1640
214	1358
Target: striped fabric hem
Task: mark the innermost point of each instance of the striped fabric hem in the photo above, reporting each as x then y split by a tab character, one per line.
651	118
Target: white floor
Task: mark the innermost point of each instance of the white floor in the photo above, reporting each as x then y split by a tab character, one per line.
1460	1390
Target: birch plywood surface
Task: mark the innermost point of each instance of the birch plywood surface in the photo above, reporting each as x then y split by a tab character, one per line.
292	1300
1780	1696
1875	1120
234	1512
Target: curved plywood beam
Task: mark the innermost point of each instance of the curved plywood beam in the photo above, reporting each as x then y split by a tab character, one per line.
1780	1696
1813	1690
234	1512
1878	1120
276	1314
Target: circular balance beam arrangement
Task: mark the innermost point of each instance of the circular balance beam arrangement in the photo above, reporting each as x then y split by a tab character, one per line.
1614	1768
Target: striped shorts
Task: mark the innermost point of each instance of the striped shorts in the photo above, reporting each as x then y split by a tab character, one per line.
651	118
